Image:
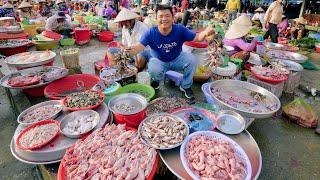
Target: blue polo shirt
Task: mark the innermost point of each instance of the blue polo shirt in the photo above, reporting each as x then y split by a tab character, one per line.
167	48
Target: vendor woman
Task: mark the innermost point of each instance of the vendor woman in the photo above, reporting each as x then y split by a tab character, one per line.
59	23
235	36
166	40
298	31
258	17
132	30
26	11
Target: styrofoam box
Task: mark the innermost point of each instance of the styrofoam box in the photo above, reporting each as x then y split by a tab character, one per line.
293	82
276	89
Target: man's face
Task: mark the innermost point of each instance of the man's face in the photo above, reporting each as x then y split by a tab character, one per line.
126	24
164	18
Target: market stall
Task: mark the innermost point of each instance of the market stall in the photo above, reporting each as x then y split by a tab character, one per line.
115	126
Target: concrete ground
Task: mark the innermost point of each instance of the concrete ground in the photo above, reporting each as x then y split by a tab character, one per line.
289	151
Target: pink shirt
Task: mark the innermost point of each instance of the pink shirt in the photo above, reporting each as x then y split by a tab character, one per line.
240	45
283	25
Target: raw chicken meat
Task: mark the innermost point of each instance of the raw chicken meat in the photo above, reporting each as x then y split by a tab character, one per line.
110	153
214	159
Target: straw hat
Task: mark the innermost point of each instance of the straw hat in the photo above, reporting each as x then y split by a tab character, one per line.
24	4
259	10
125	14
150	11
236	31
300	20
242	20
7	6
197	9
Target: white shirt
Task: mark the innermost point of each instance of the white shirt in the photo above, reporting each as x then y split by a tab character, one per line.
258	16
52	23
138	30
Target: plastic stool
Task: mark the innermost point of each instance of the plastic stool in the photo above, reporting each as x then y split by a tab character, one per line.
174	76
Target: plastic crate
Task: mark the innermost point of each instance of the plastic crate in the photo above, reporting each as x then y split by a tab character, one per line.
293	82
276	89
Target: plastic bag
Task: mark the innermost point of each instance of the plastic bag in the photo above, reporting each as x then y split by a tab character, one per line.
301	113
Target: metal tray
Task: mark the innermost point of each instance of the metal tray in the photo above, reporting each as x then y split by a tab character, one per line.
25	65
4	80
161	114
291	65
287	55
238	86
137	100
171	158
54	151
53	102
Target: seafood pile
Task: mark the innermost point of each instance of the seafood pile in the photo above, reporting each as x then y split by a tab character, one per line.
40	113
166	104
245	100
83	99
110	153
214	159
49	74
80	125
125	107
199	122
215	58
274	72
30	57
38	135
14	43
23	80
163	131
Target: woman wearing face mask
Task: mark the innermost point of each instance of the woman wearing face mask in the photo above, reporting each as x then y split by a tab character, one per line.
272	18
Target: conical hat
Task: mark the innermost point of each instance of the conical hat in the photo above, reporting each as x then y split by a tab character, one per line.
242	20
125	14
300	20
197	9
150	11
24	4
236	31
7	6
259	10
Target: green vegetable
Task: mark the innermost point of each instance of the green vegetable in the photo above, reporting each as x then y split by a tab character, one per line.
255	31
304	42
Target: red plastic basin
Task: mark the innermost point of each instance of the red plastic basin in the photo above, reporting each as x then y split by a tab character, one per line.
132	120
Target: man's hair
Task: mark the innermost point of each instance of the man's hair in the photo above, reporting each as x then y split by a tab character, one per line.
164	7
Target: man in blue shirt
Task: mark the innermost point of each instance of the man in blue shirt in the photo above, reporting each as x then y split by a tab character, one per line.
165	41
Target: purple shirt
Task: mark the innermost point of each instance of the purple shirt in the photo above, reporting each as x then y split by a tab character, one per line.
240	45
108	11
124	3
283	25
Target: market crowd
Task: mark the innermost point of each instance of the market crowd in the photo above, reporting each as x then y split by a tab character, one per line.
154	32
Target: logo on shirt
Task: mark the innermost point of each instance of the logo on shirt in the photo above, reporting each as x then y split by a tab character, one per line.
167	47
